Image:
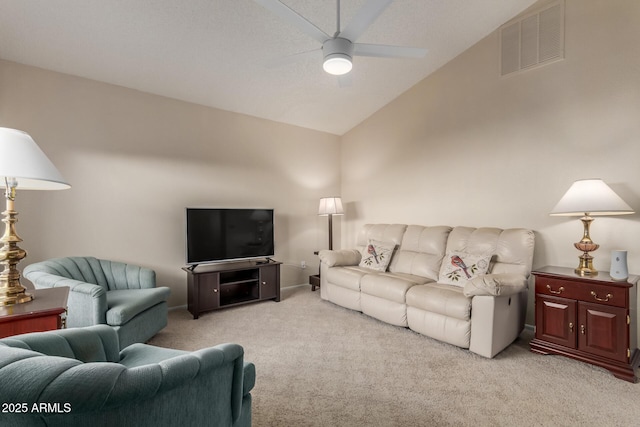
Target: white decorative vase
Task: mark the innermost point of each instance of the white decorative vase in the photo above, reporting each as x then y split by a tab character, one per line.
619	270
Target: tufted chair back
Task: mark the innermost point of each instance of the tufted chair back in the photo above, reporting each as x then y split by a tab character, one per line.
110	275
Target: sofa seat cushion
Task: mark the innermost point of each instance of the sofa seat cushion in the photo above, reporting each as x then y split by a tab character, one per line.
123	305
347	277
390	286
439	298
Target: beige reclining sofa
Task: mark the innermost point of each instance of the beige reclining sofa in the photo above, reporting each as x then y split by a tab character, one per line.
461	285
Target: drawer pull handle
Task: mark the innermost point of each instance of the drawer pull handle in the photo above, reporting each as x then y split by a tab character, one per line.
582	329
605	299
559	291
215	290
570	327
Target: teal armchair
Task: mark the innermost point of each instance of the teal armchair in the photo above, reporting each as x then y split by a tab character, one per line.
79	377
120	295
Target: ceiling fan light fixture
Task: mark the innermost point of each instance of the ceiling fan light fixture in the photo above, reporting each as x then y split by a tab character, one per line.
337	64
337	56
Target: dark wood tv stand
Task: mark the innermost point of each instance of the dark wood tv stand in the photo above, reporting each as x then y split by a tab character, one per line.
215	286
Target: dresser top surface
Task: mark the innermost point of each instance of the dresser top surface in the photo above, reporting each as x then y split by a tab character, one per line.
569	273
44	300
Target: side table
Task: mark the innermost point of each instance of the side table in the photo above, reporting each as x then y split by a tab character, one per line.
43	313
587	318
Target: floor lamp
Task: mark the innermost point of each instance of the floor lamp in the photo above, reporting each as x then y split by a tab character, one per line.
23	166
330	206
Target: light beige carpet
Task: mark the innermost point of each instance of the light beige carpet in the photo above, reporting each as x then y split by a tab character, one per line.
321	365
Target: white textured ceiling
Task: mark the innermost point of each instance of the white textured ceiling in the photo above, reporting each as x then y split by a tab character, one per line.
221	53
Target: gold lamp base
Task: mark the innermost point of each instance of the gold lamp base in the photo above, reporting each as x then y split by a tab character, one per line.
14	296
585	267
586	245
11	290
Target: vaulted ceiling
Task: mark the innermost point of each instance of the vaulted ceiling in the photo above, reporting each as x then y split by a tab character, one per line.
231	54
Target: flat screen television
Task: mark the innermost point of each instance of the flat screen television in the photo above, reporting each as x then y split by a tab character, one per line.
216	235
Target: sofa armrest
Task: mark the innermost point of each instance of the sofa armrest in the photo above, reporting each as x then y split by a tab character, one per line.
179	367
340	258
249	379
495	285
89	301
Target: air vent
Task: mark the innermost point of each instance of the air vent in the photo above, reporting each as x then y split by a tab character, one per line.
533	40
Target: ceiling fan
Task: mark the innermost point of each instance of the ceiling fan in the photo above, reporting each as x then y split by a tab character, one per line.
338	50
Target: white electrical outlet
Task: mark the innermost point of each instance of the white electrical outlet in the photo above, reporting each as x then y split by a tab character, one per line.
303	264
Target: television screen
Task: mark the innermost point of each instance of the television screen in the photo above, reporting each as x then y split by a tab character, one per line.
228	234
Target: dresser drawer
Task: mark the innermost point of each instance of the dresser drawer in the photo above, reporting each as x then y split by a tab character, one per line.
590	292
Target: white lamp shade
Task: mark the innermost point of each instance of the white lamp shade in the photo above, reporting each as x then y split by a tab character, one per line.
591	196
330	206
22	159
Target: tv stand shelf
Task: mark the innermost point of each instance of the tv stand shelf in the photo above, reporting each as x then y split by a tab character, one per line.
215	286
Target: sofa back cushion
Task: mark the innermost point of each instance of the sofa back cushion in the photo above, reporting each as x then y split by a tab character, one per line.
421	251
380	232
511	249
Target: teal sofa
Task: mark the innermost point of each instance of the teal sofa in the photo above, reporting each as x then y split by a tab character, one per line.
79	377
120	295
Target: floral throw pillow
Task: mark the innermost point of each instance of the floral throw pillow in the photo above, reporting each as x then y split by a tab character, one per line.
377	255
459	267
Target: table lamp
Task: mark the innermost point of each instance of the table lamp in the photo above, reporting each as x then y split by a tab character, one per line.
587	198
23	166
330	206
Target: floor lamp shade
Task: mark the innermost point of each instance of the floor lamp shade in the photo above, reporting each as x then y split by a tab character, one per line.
330	206
587	198
23	166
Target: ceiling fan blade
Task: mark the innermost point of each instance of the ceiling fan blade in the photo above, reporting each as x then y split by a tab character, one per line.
363	18
296	57
384	51
294	18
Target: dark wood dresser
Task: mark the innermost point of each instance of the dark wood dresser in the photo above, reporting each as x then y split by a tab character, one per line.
591	319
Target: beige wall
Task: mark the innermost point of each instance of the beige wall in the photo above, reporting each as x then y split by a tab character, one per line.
463	147
467	147
136	160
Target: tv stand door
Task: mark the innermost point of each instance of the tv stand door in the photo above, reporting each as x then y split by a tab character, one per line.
203	292
270	282
209	291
